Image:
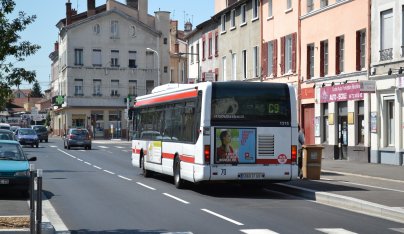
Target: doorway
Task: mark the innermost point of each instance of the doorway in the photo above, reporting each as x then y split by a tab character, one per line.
343	130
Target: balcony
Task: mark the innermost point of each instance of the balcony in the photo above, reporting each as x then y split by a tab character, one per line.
386	54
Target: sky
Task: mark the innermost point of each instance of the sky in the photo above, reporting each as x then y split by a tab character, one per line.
44	32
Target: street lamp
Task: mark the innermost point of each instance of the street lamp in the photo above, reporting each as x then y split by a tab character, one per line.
183	53
158	64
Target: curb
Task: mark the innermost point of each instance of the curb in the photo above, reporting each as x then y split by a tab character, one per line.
344	202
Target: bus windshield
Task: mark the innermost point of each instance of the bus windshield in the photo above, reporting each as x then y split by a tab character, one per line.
244	103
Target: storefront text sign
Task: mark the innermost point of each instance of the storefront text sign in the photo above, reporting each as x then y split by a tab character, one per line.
341	93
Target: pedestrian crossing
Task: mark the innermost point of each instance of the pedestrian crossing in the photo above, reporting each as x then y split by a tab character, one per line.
321	230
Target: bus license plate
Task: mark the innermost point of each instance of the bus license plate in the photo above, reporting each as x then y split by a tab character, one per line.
4	181
251	176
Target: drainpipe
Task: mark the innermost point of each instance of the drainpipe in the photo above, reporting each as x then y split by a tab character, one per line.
261	36
299	75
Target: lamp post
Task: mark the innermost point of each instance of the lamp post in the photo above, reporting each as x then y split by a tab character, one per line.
183	53
158	64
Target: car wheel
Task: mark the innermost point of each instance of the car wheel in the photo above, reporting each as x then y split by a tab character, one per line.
68	146
37	145
32	145
46	140
64	146
89	147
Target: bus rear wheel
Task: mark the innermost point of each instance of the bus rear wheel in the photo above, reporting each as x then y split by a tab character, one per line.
178	182
146	173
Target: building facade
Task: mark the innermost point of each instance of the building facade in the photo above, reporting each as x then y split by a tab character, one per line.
104	56
387	65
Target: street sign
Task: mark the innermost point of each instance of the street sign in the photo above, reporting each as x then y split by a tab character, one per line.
210	76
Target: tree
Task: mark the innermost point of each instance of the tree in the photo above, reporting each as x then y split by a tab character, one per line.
36	90
13	51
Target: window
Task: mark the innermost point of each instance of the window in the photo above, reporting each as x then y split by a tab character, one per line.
132	88
270	58
270	8
325	122
234	67
390	129
288	54
78	87
242	14
78	57
360	123
114	29
224	68
233	18
165	40
339	60
310	6
255	9
149	86
132	31
203	48
288	4
216	44
115	88
223	22
197	51
114	116
165	69
323	3
97	58
386	35
244	63
360	49
255	61
324	58
310	61
132	59
191	56
210	49
114	58
97	88
96	29
402	32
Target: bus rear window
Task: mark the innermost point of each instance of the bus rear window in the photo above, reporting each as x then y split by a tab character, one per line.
246	103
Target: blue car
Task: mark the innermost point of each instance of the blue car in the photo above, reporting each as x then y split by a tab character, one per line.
14	167
27	136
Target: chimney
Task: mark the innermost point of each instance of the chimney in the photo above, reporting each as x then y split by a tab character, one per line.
188	27
68	12
90	8
141	6
132	4
56	46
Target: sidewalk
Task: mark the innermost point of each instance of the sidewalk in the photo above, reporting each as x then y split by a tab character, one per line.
372	189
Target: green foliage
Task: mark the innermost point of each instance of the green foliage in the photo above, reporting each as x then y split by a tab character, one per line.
48	119
13	50
36	90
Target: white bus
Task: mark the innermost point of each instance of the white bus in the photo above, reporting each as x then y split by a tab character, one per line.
220	131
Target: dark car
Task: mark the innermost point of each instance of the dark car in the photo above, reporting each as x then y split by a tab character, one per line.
27	136
77	137
41	131
14	167
7	135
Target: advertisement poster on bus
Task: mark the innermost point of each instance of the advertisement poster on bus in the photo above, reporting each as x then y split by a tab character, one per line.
154	152
235	145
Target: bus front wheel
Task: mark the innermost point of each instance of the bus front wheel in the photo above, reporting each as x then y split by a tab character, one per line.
178	182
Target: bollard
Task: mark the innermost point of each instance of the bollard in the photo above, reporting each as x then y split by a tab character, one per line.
31	197
39	202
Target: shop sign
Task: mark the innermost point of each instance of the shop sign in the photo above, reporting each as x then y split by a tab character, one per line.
367	86
341	93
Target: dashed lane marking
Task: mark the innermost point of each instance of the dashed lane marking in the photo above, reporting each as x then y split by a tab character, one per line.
400	230
125	178
176	198
97	167
222	217
146	186
258	231
110	172
334	231
103	147
120	147
88	163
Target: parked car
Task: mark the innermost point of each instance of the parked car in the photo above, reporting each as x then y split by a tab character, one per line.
7	135
77	137
14	167
14	128
5	126
41	131
27	136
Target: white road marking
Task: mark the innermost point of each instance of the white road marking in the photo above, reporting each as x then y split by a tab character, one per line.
81	160
53	146
334	231
258	231
151	188
176	198
110	172
97	167
103	147
400	230
66	153
120	147
88	163
222	217
50	213
125	178
364	176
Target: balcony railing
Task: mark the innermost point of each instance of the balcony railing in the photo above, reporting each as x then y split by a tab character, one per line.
386	54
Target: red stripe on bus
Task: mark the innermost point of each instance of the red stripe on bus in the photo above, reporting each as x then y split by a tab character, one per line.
172	97
168	155
187	158
271	161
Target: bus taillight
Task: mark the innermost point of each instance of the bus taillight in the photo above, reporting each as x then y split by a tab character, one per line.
206	152
294	154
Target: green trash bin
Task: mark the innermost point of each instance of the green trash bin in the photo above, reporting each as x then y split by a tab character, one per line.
312	161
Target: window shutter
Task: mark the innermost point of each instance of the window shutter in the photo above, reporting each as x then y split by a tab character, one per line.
294	52
337	52
264	60
308	63
216	74
282	55
322	59
358	50
203	76
275	57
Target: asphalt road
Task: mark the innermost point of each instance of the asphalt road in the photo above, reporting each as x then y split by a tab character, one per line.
98	191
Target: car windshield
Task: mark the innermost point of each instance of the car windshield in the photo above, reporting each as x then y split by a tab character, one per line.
27	132
11	152
39	129
79	132
6	136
